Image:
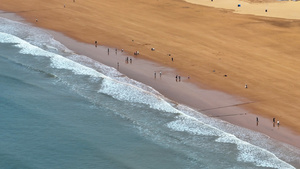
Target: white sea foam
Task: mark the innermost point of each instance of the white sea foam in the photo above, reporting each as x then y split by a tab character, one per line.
131	93
247	151
58	61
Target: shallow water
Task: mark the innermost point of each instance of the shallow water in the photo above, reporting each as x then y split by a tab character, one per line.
62	110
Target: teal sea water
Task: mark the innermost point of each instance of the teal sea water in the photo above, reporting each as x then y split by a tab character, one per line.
61	110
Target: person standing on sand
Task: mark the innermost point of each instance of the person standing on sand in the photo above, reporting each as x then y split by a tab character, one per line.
257	121
159	74
278	123
154	74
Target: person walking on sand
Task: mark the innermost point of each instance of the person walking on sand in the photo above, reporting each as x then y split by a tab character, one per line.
278	123
257	121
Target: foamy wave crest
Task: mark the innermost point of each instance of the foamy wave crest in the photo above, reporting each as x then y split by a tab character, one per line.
127	92
254	154
117	89
247	152
58	61
33	35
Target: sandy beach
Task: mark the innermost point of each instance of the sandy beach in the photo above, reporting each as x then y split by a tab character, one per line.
267	8
218	49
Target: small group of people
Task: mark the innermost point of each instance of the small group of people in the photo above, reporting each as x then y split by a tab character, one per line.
128	60
155	74
178	78
274	121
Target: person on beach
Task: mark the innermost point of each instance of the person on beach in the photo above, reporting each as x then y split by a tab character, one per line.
274	121
172	59
107	50
154	74
118	65
257	121
130	60
179	78
246	86
159	74
126	60
278	123
176	77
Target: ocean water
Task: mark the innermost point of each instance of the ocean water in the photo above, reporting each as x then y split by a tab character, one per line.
61	110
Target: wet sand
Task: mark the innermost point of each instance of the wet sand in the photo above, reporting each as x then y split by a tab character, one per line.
205	43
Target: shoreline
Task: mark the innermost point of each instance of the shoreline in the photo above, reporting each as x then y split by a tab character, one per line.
212	103
223	59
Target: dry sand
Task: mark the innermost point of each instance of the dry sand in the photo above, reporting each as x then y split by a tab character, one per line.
258	51
275	8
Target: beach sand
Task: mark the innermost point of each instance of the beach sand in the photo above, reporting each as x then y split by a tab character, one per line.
206	44
275	8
